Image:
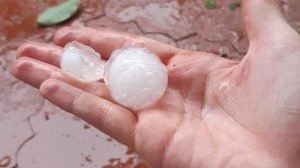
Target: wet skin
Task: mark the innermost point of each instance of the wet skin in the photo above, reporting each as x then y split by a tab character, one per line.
215	113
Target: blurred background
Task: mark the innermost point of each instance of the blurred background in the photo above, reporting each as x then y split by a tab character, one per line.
35	134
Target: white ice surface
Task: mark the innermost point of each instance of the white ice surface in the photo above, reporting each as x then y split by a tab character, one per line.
82	62
135	77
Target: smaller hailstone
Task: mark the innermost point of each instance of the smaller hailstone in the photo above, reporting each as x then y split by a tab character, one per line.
82	62
135	77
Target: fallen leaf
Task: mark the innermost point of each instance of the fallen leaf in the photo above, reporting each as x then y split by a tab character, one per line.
59	13
232	6
210	4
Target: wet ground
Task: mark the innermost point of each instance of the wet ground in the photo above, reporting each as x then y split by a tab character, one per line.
35	134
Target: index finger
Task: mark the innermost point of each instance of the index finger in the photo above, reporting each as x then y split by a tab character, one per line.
105	41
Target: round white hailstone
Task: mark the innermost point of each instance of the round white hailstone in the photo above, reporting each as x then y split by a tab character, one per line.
82	62
135	77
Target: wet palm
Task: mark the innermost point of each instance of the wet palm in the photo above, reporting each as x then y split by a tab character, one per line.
215	113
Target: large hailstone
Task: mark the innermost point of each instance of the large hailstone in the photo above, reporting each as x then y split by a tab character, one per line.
82	62
135	77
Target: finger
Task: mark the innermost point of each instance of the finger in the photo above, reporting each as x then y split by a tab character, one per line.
40	51
108	117
35	72
264	21
105	41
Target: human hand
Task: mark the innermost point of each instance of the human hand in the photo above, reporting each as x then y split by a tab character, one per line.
215	112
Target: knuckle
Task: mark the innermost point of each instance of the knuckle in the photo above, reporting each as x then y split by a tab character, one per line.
49	86
104	115
63	34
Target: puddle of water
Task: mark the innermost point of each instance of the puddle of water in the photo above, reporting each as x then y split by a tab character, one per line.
18	18
15	22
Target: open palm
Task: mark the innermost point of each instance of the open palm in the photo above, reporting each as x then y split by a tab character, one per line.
215	112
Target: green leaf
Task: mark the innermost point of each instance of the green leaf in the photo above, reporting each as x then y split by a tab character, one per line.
232	6
210	4
298	30
42	1
59	13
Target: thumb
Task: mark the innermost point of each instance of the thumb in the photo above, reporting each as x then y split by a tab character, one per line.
264	22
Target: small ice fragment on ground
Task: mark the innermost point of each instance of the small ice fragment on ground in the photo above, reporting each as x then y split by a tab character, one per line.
82	62
135	77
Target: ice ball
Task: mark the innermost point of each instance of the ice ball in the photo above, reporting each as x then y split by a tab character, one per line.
82	62
135	77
